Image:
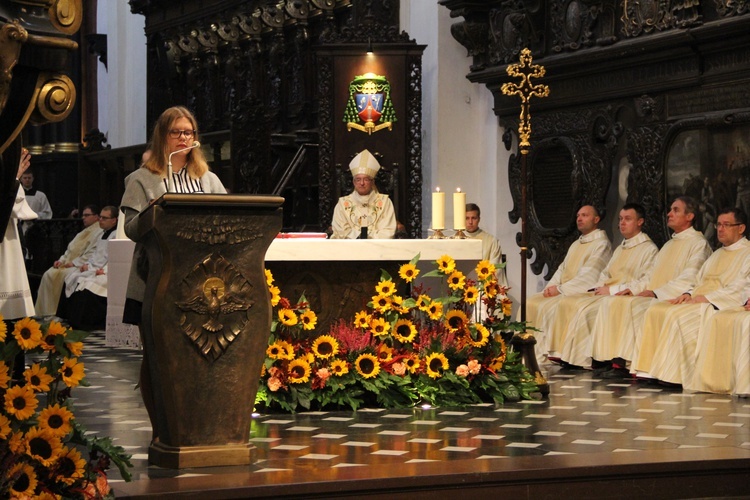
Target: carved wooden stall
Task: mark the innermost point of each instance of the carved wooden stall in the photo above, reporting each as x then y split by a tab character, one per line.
650	98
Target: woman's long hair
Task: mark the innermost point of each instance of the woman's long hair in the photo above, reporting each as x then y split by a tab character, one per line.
159	146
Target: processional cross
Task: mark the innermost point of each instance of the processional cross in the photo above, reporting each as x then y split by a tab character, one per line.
526	90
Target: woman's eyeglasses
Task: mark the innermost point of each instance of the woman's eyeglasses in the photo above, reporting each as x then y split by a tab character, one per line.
175	133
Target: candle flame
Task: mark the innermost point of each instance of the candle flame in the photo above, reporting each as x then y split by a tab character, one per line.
437	189
458	190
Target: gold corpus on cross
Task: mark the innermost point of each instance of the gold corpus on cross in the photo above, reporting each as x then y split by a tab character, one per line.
526	89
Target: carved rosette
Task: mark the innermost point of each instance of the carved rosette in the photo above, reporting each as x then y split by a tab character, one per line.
646	182
214	300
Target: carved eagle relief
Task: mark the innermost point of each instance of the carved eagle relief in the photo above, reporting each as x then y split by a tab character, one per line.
215	304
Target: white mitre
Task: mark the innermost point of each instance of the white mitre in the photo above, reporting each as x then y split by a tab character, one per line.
364	164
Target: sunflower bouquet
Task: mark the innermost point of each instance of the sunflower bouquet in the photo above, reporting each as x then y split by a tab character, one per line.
405	348
44	451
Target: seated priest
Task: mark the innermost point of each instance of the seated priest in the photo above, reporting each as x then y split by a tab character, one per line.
83	301
723	358
365	213
618	328
569	330
79	251
672	329
579	272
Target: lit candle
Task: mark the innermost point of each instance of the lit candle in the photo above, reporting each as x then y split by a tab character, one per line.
459	210
438	209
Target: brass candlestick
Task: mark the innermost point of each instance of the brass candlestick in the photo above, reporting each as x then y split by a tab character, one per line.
437	234
459	235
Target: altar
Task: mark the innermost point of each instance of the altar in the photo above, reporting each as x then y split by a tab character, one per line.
338	277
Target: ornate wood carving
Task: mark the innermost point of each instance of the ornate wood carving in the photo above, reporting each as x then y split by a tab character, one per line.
623	85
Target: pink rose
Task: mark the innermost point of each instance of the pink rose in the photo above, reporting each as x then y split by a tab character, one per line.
274	384
462	370
474	366
323	374
399	369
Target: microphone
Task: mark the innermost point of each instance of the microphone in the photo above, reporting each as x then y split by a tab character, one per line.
170	181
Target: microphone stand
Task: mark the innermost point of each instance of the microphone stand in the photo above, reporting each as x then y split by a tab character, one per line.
170	181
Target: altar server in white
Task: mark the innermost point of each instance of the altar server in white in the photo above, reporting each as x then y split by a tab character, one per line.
365	213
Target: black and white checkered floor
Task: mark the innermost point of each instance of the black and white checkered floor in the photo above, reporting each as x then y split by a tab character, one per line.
582	415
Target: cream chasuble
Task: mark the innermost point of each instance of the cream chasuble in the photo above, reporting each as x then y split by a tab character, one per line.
671	332
584	262
575	316
79	251
618	325
723	358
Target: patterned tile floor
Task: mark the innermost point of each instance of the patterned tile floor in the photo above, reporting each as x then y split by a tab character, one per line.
581	415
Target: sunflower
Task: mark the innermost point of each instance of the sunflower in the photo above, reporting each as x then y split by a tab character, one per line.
483	336
404	331
456	320
379	327
423	302
456	280
70	467
412	363
381	303
287	348
435	310
446	264
72	372
56	419
325	347
362	320
408	272
4	426
367	365
37	378
269	277
308	319
498	362
491	289
3	329
16	443
471	294
385	353
288	317
25	482
435	364
339	367
275	295
4	375
485	269
53	330
507	306
299	371
20	402
276	351
75	348
43	446
385	288
28	333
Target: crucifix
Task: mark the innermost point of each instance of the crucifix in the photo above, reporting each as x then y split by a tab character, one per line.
526	90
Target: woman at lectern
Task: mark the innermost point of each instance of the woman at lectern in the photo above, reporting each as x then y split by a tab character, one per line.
175	164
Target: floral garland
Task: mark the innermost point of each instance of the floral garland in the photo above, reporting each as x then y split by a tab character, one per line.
400	351
44	451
